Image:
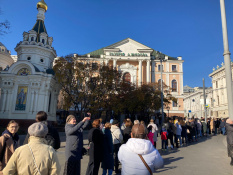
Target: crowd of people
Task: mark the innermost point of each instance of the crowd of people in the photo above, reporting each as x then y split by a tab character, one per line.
132	144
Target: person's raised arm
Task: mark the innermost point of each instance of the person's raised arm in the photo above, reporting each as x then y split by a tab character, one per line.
72	130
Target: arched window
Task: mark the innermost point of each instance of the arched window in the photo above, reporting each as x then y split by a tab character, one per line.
127	77
43	41
32	38
174	86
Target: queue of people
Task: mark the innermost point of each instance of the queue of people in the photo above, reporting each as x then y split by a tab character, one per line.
133	144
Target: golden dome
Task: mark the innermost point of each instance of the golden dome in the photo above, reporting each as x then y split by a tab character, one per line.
42	5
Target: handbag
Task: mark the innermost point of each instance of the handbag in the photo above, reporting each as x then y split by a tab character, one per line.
34	159
145	164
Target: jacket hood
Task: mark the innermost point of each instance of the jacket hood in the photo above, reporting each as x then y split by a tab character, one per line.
113	128
140	146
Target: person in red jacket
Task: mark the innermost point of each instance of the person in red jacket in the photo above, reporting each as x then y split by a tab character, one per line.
164	135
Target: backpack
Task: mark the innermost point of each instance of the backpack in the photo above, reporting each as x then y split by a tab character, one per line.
50	139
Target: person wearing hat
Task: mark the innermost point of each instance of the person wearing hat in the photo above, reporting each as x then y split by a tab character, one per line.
135	151
74	144
117	139
52	137
36	157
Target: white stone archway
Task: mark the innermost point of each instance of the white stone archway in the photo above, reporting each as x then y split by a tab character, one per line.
124	68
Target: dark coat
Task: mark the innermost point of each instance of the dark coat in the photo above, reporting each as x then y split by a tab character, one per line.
107	162
8	144
126	134
229	131
184	131
74	140
52	132
95	138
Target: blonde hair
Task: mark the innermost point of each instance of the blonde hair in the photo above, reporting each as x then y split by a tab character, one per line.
107	125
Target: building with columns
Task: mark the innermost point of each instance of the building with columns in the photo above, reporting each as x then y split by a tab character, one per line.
219	91
139	65
28	85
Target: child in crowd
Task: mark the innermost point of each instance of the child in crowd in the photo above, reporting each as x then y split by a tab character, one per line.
150	135
164	135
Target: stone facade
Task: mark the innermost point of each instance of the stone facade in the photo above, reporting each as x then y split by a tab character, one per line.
194	103
219	92
29	86
140	64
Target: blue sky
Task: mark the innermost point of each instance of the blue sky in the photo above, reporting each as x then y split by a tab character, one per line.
188	28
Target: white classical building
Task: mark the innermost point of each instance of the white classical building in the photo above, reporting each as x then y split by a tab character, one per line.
28	85
194	102
140	64
219	91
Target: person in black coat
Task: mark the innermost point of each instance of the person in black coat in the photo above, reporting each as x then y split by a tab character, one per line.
229	131
108	162
95	138
127	131
74	144
52	137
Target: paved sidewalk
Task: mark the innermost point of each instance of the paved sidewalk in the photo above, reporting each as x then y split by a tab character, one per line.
208	156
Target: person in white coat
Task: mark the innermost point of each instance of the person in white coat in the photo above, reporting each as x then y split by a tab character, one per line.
154	131
117	139
129	154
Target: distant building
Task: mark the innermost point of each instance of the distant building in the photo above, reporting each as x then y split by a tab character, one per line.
139	65
219	92
5	57
194	102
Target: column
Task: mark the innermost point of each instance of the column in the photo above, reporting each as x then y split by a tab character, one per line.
152	71
36	101
32	101
46	101
148	71
140	73
9	92
4	100
106	62
114	63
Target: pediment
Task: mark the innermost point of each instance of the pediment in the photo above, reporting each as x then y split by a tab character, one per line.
128	46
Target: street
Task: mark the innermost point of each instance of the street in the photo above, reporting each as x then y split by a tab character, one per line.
208	156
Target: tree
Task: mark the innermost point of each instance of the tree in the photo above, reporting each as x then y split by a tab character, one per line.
74	78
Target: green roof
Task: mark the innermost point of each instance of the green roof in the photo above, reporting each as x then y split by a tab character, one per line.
99	52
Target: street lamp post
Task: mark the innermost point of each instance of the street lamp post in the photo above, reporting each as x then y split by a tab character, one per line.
227	60
161	58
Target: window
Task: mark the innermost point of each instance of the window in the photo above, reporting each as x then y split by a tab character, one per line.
41	60
159	66
174	104
43	41
127	77
29	58
174	86
174	68
32	38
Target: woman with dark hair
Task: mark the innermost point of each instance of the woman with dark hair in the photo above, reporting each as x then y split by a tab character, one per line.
95	138
9	141
127	130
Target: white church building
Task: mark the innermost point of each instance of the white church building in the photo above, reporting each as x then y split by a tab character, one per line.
28	85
